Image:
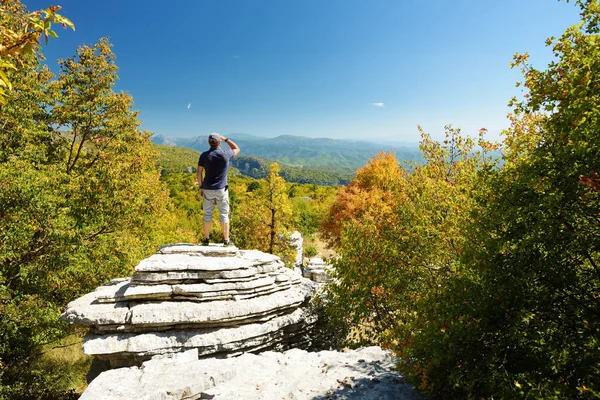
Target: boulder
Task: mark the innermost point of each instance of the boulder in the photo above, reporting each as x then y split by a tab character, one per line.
217	301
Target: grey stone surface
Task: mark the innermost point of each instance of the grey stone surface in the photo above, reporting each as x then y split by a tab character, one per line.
366	373
171	313
226	289
316	270
297	242
191	262
159	277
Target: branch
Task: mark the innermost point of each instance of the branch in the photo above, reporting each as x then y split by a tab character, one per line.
585	253
71	150
83	138
78	152
100	232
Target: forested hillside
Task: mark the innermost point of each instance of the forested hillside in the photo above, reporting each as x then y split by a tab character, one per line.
256	167
176	159
302	151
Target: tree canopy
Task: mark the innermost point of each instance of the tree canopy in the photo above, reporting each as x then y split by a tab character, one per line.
80	199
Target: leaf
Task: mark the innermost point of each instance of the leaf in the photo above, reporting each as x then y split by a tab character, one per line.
6	64
4	79
59	19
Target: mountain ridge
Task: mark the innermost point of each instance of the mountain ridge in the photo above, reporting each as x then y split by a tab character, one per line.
301	150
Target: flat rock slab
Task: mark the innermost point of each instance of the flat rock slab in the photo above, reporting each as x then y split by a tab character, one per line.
207	341
126	291
366	374
128	316
185	312
316	261
158	277
213	250
191	262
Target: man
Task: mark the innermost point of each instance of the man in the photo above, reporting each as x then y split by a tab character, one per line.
212	178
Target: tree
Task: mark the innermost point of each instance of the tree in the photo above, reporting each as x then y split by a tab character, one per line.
373	188
400	236
77	207
264	219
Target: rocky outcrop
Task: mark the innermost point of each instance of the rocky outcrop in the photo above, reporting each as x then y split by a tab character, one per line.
365	374
296	241
316	270
217	301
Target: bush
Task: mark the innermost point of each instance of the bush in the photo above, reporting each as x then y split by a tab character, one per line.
310	251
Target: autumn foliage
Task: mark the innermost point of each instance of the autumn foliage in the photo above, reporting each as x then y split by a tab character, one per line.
400	235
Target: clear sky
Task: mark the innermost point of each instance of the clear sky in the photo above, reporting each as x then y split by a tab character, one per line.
344	69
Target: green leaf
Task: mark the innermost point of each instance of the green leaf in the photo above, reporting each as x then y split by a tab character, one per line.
4	80
6	64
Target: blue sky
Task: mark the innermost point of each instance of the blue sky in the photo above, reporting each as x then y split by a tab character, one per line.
344	69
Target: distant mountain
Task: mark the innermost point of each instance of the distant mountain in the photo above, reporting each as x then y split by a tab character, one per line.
173	160
301	151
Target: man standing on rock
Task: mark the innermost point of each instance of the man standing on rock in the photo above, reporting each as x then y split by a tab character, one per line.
213	184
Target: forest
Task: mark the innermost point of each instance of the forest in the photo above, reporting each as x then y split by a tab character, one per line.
482	275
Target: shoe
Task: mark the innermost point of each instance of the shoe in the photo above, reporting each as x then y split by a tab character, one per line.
204	242
228	243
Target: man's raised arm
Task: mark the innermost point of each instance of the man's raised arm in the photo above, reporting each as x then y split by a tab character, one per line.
233	146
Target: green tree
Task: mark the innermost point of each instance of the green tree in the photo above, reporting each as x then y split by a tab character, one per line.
264	218
77	207
400	236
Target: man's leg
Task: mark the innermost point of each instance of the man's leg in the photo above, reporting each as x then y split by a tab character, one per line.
208	206
223	206
225	226
206	229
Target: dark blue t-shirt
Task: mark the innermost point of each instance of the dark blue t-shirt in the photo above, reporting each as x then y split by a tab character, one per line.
216	164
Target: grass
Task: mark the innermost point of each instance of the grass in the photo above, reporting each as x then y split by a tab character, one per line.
67	357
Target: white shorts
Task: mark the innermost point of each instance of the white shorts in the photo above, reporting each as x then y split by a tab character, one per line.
212	198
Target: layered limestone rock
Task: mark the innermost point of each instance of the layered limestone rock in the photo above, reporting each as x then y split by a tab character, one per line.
218	301
316	270
297	243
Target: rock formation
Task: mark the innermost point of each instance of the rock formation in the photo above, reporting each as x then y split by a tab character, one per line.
365	374
218	301
316	270
296	241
